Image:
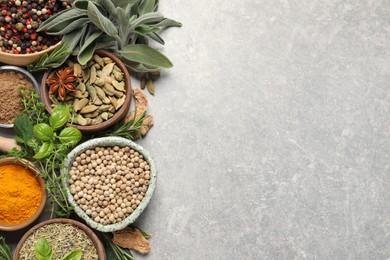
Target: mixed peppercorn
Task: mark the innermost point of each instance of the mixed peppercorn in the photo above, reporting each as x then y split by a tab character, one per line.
19	20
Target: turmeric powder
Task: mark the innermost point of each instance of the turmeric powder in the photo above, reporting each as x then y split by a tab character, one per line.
20	194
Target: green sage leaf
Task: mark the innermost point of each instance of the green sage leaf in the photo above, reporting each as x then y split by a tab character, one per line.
43	132
146	29
100	21
43	250
70	136
146	55
146	6
110	8
65	17
168	23
148	18
76	24
155	36
59	117
87	50
74	255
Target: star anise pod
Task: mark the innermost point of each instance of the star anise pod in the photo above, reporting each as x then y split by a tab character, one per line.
61	82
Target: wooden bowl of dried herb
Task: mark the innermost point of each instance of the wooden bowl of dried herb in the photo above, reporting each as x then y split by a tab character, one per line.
22	194
98	92
60	238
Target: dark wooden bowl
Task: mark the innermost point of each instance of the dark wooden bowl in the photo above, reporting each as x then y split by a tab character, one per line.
32	168
118	116
97	243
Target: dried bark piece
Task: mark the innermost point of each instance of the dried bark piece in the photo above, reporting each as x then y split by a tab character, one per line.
131	238
147	124
141	104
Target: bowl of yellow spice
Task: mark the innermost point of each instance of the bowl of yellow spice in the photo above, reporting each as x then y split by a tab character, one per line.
22	193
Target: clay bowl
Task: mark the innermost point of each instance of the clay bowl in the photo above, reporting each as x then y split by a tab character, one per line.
27	75
118	116
109	142
32	168
97	243
24	59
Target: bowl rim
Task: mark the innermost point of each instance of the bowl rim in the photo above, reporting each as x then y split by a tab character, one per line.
118	115
32	168
109	141
32	54
28	75
95	240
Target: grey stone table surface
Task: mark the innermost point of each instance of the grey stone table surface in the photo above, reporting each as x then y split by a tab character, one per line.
272	131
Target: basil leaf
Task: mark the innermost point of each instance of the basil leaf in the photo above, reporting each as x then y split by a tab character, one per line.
59	117
44	151
88	48
74	255
43	132
70	136
100	21
146	6
146	55
43	250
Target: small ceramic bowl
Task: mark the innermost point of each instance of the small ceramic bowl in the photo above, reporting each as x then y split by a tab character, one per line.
118	116
32	168
28	76
109	142
97	243
24	59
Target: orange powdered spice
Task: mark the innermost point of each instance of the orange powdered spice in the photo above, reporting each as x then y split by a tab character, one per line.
20	194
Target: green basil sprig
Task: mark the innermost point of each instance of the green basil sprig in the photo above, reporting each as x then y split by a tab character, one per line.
44	251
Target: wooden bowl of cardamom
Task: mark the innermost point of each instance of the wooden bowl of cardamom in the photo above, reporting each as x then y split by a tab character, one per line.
22	194
98	93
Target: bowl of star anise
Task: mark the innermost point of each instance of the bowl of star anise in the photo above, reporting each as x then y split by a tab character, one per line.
98	93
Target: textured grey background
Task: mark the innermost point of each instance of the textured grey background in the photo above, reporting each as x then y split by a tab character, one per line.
272	131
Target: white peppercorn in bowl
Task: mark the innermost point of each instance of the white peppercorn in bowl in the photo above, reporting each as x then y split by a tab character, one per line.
69	175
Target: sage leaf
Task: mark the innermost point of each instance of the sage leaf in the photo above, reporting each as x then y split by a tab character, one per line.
156	37
87	50
45	150
122	17
100	21
65	16
73	38
76	24
43	132
70	136
146	55
43	250
168	23
110	7
74	255
145	29
146	6
148	18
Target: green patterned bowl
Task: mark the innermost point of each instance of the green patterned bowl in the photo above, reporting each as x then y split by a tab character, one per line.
109	142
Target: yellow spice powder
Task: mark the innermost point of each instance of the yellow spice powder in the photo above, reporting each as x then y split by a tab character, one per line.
20	194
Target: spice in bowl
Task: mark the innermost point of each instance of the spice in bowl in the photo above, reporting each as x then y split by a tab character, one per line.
62	238
10	106
20	194
95	93
19	21
109	183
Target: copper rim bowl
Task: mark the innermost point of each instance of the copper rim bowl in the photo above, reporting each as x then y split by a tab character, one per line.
24	59
97	243
118	116
32	168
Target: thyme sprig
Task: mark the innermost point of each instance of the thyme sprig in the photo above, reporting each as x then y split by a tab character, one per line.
5	250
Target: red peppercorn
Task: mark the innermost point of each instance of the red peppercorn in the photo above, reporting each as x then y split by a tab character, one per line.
33	36
25	30
16	51
49	12
28	50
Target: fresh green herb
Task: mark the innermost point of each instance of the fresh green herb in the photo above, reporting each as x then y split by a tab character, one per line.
122	26
146	235
118	252
46	141
44	251
53	60
129	129
5	250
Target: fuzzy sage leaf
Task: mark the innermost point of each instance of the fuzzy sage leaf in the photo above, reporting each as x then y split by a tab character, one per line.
146	55
100	21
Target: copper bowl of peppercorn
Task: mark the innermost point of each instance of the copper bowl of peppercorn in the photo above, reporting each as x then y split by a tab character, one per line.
22	196
20	42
